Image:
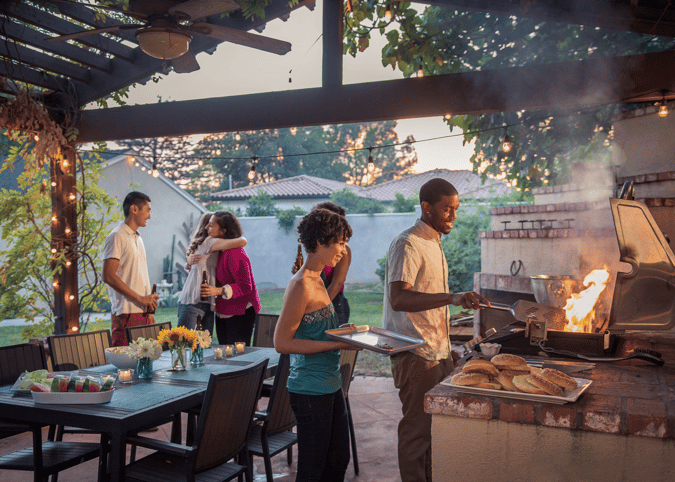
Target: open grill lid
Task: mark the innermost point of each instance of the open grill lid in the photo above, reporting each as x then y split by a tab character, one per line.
644	298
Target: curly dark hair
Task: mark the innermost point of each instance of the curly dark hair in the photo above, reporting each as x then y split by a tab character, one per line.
229	222
331	206
324	227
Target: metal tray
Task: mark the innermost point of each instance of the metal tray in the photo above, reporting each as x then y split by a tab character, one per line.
375	339
570	396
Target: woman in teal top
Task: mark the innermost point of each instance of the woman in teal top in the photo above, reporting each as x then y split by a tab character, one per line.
314	382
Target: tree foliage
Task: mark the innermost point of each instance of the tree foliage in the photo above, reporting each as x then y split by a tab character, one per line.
27	266
402	204
338	152
437	40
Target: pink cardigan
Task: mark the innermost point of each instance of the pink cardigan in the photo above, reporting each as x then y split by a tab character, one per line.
234	269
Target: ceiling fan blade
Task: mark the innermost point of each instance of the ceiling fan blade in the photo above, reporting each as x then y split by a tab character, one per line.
241	37
95	31
194	9
186	63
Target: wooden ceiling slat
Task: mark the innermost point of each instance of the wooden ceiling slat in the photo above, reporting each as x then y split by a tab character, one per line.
32	37
30	76
87	16
44	62
39	18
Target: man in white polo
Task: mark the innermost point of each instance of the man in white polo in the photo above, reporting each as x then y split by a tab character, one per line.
125	270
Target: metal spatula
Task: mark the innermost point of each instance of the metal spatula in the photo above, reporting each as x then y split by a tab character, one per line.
523	309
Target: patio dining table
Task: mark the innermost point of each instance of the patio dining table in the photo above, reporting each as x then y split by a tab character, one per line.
134	406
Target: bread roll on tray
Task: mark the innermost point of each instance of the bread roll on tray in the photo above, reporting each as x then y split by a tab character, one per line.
480	366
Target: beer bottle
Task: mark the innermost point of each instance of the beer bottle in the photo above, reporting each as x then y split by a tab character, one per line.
198	325
204	282
149	311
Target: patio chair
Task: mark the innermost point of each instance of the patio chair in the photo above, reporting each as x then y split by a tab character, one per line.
347	364
223	426
275	434
263	335
147	332
79	351
43	458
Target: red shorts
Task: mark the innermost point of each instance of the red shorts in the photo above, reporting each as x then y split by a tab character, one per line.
119	323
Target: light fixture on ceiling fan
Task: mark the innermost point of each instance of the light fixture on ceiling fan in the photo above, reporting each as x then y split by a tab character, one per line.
163	42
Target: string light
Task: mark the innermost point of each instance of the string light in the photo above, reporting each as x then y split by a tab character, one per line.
54	218
53	183
64	163
237	136
251	173
55	284
71	297
68	263
155	172
67	230
420	72
37	138
53	250
663	108
371	164
506	146
387	13
72	197
75	328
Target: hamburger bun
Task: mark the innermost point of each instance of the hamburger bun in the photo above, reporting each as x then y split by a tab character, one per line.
563	380
506	361
490	385
469	379
535	370
480	366
523	385
543	384
506	381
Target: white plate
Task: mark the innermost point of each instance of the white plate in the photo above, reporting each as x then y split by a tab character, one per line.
570	396
73	397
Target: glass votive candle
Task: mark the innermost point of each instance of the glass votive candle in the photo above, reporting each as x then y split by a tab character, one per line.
125	376
240	346
217	353
229	350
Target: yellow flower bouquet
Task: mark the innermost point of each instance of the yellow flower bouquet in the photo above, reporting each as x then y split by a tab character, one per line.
178	339
202	340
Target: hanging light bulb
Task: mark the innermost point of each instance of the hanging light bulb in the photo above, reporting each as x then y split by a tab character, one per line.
387	13
420	72
55	284
217	152
663	108
54	218
371	164
67	230
37	137
237	136
64	163
53	250
68	263
506	146
72	197
71	297
251	173
53	183
155	172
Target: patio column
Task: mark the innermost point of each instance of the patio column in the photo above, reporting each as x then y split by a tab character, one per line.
64	239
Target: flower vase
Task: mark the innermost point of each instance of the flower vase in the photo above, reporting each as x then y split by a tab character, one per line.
197	356
144	368
179	358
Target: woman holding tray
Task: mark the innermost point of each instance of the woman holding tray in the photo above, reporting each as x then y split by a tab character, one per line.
314	382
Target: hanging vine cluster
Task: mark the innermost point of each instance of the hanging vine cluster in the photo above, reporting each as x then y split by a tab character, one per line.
23	114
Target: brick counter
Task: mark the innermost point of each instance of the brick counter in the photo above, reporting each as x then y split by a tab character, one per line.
621	428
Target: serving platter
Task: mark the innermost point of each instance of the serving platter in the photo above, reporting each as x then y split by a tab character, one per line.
569	397
75	398
375	339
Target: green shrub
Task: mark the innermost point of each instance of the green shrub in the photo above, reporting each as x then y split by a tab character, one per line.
261	204
286	218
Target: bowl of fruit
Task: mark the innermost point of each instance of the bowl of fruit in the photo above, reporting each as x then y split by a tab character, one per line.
119	356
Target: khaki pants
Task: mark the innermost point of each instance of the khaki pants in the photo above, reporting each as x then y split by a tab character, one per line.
414	376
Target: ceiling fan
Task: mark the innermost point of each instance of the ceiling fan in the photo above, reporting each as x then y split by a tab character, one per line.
168	26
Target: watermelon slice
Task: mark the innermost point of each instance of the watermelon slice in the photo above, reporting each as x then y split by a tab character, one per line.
94	385
63	384
79	385
39	387
108	384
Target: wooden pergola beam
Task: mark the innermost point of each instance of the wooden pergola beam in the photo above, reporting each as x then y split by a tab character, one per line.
555	86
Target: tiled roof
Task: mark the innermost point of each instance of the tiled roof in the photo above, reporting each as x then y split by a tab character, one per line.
468	184
293	187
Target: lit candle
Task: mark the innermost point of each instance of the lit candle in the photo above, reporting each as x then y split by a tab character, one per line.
218	352
124	376
240	346
229	350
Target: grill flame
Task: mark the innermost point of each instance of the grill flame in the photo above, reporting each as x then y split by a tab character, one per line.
580	307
